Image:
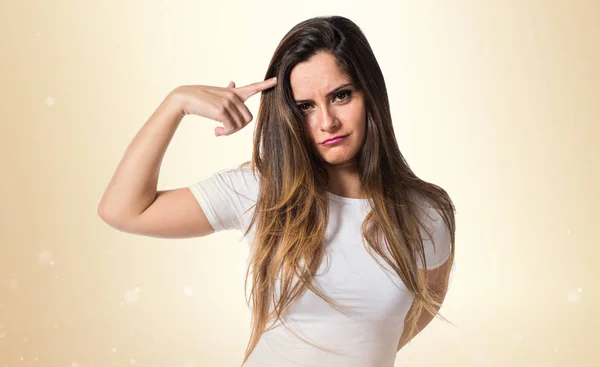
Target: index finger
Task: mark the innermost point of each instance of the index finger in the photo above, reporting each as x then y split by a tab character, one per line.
249	90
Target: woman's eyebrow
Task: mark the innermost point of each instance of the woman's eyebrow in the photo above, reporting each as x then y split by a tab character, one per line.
328	94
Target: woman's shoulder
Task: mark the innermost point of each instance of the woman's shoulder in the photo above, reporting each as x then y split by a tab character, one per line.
240	171
241	179
435	232
426	209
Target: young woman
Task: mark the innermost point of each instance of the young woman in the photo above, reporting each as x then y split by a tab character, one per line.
350	252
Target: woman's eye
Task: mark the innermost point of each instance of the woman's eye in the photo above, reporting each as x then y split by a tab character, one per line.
302	105
346	93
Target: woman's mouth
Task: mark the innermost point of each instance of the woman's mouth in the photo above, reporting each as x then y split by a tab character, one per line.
334	140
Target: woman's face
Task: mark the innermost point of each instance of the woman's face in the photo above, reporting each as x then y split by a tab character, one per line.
331	108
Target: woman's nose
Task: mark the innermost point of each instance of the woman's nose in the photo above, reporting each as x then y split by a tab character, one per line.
328	120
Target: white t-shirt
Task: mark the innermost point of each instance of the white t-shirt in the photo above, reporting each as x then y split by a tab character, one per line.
378	300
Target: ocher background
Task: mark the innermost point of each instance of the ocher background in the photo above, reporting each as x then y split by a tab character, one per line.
496	101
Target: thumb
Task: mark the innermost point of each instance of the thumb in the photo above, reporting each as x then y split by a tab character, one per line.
231	84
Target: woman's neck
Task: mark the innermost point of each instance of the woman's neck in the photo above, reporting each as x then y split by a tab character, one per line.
345	182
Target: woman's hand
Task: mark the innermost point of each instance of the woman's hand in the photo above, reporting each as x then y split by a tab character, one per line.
225	105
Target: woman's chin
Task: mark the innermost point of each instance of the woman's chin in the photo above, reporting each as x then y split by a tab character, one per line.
338	161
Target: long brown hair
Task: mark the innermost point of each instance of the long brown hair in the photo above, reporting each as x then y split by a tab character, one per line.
291	211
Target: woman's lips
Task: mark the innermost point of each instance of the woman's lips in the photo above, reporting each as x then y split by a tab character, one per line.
335	141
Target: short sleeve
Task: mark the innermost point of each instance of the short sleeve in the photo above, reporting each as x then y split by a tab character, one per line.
438	246
224	197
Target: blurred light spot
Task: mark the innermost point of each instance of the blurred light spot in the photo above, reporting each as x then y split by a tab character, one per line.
55	326
137	289
13	284
2	335
45	258
50	101
517	337
114	350
132	361
25	340
574	297
131	297
478	358
74	364
188	291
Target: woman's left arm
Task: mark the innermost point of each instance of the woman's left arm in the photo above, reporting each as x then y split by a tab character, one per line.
438	281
